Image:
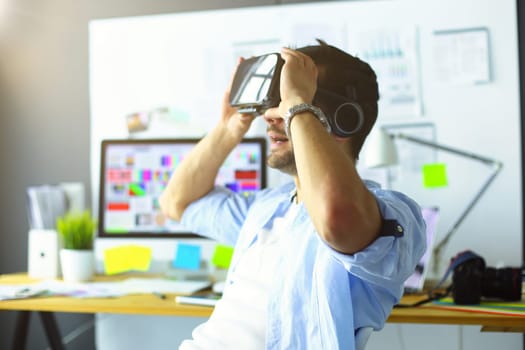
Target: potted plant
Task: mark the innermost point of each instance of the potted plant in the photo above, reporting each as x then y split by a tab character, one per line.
77	231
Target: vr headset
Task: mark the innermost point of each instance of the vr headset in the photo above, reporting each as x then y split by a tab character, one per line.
255	89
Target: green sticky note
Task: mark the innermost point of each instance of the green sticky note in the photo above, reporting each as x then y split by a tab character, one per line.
222	256
435	175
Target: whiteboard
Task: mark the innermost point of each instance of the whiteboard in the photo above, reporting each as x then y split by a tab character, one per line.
176	66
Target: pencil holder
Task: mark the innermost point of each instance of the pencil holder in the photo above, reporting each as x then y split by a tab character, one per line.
43	247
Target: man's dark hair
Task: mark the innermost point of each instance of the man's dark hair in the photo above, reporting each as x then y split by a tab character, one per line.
347	76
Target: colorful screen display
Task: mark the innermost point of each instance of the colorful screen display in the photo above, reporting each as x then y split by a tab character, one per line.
135	172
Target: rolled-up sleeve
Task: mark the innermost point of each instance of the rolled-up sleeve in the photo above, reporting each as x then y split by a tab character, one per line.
391	259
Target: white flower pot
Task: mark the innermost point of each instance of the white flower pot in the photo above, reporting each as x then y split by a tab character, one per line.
77	265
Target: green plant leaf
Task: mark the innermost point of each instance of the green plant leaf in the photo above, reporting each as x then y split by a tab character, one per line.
77	230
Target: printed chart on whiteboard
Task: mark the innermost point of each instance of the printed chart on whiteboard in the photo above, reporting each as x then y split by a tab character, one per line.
393	55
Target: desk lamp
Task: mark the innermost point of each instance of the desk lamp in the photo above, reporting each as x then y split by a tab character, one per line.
382	152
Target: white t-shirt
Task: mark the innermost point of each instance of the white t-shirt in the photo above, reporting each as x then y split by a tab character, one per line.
239	318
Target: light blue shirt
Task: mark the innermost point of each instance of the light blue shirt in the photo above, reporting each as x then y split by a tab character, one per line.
321	297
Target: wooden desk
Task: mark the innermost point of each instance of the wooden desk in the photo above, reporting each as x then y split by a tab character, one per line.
143	304
148	304
434	314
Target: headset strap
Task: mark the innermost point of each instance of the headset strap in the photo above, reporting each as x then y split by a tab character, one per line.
459	259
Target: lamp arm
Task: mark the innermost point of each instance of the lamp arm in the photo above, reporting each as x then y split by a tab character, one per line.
447	149
497	166
439	246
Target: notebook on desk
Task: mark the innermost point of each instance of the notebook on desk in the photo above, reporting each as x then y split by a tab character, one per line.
208	299
414	284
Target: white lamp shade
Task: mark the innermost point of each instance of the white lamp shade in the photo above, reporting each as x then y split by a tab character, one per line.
381	150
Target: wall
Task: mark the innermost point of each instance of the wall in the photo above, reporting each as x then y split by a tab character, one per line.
44	135
43	69
44	114
462	115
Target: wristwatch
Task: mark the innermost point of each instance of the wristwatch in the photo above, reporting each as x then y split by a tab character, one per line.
305	107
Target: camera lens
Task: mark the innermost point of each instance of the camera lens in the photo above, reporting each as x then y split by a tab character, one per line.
502	283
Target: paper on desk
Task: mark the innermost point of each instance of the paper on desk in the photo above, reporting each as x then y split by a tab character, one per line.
161	285
58	288
85	289
101	289
516	308
130	286
10	292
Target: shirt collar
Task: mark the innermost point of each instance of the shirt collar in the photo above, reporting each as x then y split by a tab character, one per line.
293	195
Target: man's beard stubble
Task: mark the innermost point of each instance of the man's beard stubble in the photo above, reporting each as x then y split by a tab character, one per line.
284	162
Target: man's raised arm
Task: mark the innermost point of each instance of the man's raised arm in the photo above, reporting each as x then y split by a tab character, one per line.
195	176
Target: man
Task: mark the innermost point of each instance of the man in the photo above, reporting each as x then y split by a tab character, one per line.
316	259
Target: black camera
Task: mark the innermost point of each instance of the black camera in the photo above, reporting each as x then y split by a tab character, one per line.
472	280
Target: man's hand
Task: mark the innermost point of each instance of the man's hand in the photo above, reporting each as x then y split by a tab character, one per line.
298	79
236	123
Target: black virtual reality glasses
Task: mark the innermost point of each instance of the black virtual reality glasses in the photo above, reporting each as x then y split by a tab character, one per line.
255	89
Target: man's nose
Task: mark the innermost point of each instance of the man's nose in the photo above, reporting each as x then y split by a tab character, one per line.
271	116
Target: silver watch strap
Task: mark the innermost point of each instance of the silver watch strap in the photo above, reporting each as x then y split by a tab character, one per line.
305	107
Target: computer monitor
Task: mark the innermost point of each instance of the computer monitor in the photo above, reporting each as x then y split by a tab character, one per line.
416	281
134	172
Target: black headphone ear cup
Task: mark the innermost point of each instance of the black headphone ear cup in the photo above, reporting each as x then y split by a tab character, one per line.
347	119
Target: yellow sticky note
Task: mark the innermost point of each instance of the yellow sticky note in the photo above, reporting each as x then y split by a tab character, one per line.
435	175
141	258
126	258
115	260
222	256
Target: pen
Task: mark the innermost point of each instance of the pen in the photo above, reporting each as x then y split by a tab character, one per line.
160	295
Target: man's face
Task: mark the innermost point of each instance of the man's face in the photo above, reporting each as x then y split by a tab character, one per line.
281	155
